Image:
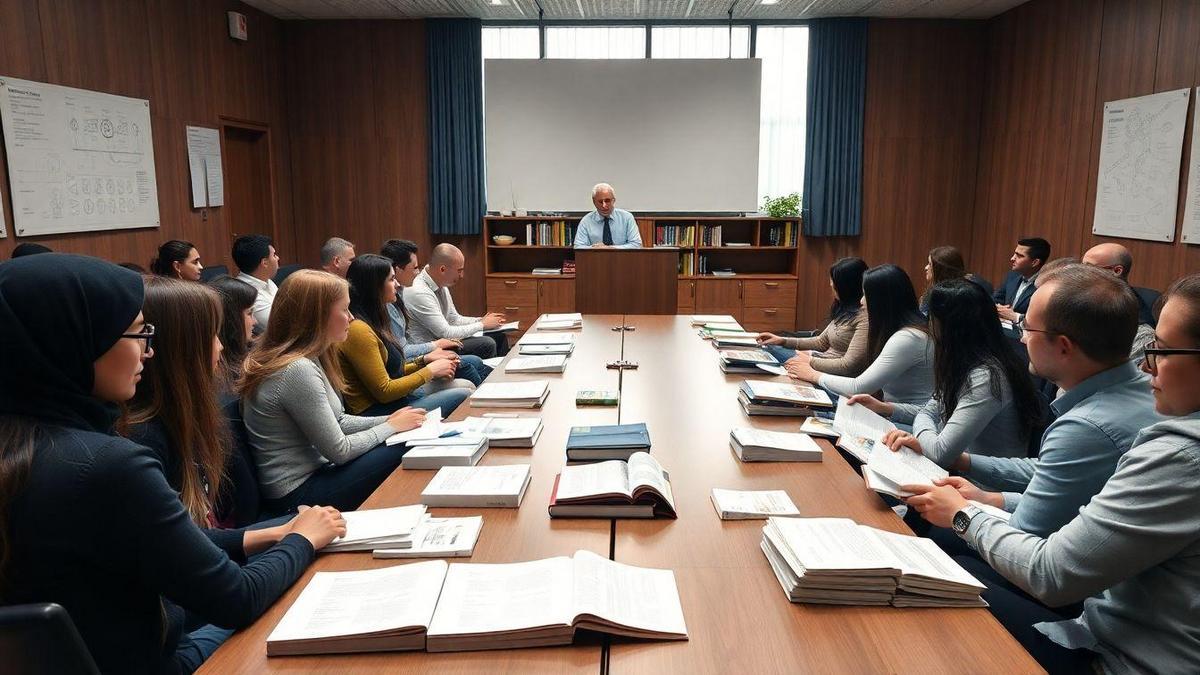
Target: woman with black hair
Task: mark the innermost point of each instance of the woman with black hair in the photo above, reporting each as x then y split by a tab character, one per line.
87	518
371	357
983	398
898	344
237	325
178	260
840	349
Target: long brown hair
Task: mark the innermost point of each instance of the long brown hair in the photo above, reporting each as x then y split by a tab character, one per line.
179	388
296	330
945	263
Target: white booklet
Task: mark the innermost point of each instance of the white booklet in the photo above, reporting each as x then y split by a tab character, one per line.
552	339
860	429
548	363
752	504
702	319
539	350
502	432
372	527
511	394
430	428
501	486
439	538
570	316
504	328
460	450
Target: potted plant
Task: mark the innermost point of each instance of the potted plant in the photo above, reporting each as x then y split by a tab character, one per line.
787	206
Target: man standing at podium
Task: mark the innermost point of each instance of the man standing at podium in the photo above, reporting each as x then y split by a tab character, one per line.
607	226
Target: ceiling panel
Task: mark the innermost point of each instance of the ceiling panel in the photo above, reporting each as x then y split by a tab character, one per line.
593	10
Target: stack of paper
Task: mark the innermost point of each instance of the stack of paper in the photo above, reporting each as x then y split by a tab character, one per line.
457	450
366	530
836	561
608	441
722	339
547	339
752	504
439	538
760	445
478	486
531	394
550	363
703	319
543	349
762	397
560	321
502	432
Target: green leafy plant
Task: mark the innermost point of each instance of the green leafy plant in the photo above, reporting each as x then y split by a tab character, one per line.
787	206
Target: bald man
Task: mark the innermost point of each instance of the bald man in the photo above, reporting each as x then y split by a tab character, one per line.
1117	259
431	312
607	226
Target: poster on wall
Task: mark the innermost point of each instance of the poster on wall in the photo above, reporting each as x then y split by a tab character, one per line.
1191	208
78	161
1137	187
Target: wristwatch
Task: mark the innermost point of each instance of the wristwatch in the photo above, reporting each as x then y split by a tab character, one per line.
962	519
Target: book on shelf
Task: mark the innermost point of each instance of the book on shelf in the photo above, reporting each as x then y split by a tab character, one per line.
839	562
547	339
859	429
738	244
547	271
780	234
531	394
445	607
366	529
568	266
502	432
760	445
546	363
501	486
638	488
725	272
710	235
607	441
439	538
752	504
675	235
537	350
598	397
686	263
458	450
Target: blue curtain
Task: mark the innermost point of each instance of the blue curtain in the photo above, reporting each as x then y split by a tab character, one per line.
837	83
454	51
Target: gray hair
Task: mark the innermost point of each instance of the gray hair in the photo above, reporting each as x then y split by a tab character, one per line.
332	248
600	187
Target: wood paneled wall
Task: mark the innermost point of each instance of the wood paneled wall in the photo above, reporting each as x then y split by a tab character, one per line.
180	57
358	111
920	141
1051	65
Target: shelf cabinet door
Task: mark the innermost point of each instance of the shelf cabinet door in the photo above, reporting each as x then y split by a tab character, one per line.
556	296
686	301
719	296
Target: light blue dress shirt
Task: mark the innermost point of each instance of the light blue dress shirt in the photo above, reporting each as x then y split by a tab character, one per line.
624	230
1097	422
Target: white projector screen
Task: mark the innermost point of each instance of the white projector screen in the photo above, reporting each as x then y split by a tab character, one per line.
669	135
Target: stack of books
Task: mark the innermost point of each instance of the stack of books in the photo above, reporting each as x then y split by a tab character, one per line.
531	394
780	234
745	360
444	607
639	488
547	271
456	450
760	445
836	561
675	235
546	363
710	235
608	441
502	432
378	528
556	233
568	266
706	319
501	486
560	321
758	397
733	339
439	538
561	343
752	504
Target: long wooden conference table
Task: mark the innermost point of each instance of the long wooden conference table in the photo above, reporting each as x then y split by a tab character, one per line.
738	618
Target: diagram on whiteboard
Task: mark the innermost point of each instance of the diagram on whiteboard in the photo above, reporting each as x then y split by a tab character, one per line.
1138	181
77	160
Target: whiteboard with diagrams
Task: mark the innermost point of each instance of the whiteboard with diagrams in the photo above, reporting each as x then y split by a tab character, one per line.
1137	190
78	161
1191	209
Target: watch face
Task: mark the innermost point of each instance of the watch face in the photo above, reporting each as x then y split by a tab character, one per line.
961	522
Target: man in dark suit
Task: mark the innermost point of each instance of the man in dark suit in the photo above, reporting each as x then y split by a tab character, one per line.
1117	259
1012	296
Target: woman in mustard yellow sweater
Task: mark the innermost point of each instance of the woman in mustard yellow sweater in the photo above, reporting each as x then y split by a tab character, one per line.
371	351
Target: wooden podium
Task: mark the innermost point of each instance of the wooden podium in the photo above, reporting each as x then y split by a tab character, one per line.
626	280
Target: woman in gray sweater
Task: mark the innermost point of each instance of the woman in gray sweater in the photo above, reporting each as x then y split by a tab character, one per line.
1132	555
307	449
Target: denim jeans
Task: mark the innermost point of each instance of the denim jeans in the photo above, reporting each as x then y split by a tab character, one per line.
343	486
195	647
446	399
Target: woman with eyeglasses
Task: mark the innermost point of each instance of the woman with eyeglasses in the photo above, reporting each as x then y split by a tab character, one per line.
87	518
1132	555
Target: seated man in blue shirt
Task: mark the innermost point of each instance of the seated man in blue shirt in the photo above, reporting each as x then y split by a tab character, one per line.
607	225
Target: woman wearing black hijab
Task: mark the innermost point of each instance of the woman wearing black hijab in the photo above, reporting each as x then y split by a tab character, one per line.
87	518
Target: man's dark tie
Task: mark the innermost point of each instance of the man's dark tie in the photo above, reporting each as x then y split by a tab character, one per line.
607	232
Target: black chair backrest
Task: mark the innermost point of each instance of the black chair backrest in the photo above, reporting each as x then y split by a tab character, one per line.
41	638
284	272
241	498
1147	297
212	272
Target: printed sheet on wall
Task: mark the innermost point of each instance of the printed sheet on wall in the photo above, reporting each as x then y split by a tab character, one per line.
1137	190
78	161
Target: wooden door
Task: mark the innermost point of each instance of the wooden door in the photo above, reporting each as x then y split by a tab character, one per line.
556	296
719	296
249	187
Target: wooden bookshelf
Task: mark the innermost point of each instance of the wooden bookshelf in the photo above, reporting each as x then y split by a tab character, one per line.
761	294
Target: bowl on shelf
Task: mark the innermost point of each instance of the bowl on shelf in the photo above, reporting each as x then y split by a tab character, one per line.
503	239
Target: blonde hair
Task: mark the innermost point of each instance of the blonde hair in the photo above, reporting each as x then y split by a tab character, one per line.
296	330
